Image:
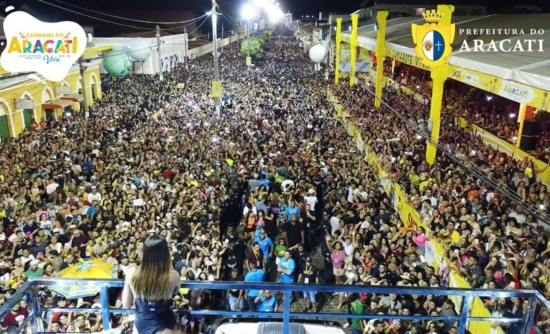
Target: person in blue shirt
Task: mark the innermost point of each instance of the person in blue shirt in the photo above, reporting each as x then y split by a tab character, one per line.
260	205
286	268
291	209
266	246
254	275
266	302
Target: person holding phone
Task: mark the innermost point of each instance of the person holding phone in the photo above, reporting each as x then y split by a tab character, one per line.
151	287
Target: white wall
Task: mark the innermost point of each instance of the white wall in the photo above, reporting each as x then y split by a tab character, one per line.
172	51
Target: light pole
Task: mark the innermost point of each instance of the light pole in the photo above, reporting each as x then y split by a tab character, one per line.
216	84
84	94
159	53
248	36
186	48
248	13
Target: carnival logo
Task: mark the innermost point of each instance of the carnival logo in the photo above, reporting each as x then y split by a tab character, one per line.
433	39
49	49
516	92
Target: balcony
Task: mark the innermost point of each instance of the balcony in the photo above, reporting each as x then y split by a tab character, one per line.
465	301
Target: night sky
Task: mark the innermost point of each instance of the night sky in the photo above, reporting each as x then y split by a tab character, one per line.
233	7
297	7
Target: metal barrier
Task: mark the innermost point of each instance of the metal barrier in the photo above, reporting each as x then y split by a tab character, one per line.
30	292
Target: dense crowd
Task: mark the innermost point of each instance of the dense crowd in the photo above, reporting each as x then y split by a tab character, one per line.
489	238
250	194
491	112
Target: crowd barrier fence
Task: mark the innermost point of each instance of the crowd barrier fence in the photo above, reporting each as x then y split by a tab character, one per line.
34	324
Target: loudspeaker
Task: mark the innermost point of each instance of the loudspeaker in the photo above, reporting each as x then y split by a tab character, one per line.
530	129
528	143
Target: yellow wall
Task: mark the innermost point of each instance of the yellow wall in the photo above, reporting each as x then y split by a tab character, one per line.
41	92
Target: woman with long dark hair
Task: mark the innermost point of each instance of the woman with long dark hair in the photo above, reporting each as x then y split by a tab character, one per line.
150	287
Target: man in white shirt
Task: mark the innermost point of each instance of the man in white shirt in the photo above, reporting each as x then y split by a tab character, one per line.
361	193
94	195
335	222
311	199
518	214
27	257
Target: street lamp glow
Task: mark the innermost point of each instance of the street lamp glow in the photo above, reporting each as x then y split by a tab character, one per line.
248	11
270	7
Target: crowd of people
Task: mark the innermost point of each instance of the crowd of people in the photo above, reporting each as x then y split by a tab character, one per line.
248	195
491	112
490	239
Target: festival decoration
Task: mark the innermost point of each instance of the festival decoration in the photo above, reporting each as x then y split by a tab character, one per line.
117	63
139	49
317	53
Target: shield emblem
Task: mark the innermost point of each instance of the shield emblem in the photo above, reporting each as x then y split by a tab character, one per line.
433	42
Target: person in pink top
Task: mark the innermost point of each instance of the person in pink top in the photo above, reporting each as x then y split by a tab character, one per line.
420	238
338	257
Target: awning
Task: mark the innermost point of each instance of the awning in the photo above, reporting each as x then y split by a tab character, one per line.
57	103
73	97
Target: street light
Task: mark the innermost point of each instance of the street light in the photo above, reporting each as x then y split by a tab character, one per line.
214	16
247	13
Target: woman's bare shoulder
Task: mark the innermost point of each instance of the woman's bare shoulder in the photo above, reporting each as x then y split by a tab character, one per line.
128	273
174	275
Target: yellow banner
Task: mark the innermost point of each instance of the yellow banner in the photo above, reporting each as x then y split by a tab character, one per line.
216	89
406	58
511	90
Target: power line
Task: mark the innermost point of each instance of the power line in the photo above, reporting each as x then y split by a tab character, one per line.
228	17
95	18
116	23
121	17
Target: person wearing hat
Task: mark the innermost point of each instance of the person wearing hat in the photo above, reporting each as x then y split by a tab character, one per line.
406	280
358	307
94	195
309	274
34	270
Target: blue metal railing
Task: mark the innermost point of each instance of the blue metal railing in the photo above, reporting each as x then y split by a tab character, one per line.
30	292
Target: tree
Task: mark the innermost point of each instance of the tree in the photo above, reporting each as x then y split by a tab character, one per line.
256	43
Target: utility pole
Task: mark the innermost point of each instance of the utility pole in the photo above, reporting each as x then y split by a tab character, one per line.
186	47
216	84
248	39
84	93
222	37
159	53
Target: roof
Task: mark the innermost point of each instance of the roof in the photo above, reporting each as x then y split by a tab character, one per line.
530	68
